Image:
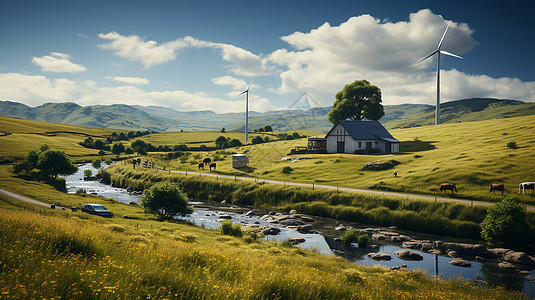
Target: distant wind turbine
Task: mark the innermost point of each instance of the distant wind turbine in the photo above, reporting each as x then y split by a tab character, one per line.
246	92
438	52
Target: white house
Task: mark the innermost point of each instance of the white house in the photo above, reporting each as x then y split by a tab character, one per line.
360	137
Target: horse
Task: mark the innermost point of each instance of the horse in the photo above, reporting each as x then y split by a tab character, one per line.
212	165
497	187
207	160
447	186
201	165
526	186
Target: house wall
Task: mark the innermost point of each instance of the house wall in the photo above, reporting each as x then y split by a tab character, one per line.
350	145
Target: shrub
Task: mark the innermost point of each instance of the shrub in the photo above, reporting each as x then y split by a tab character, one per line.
88	173
227	228
96	164
287	170
353	236
80	192
512	145
257	140
505	224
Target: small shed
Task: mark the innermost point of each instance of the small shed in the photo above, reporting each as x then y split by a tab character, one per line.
240	161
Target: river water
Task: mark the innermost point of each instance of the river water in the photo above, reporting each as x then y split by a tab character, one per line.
208	215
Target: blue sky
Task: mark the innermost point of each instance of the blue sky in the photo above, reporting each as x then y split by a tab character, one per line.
198	55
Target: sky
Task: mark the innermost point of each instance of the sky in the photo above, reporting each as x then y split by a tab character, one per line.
199	55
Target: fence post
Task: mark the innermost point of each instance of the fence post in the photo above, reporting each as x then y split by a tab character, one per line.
337	189
235	179
435	200
312	186
471	203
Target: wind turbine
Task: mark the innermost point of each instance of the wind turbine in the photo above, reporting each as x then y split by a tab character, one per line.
246	92
438	52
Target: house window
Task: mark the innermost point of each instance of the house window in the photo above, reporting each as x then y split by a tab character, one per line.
360	145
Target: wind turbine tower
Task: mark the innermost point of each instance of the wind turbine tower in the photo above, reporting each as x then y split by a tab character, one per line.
246	92
438	52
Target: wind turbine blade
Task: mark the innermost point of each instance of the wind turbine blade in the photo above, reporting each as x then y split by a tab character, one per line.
443	35
246	91
432	53
250	84
450	54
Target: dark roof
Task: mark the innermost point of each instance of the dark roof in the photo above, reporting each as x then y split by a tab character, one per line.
365	130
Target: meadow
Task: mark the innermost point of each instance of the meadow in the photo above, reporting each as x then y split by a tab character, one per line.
61	254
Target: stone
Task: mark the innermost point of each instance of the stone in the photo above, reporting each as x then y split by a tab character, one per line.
519	258
499	252
270	231
410	244
461	263
435	251
304	228
296	240
507	266
378	236
341	228
225	216
249	213
453	253
426	247
408	255
400	238
480	259
293	211
379	256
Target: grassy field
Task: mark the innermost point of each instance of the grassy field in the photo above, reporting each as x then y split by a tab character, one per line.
471	155
61	254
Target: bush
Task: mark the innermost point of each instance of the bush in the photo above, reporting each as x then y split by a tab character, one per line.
227	228
512	145
88	173
166	200
353	236
80	192
257	140
287	170
96	164
505	224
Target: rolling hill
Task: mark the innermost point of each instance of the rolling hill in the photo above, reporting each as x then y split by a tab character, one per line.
157	118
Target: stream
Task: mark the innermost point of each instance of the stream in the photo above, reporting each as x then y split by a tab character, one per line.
208	215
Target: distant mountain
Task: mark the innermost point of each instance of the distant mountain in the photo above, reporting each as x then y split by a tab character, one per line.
157	118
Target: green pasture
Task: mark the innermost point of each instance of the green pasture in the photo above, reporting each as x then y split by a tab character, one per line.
471	155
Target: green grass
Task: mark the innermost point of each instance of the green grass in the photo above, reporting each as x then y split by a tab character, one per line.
75	255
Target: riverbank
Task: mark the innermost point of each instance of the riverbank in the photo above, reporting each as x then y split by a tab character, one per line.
448	219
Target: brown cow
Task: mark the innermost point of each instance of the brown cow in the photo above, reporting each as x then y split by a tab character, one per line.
212	165
447	186
497	187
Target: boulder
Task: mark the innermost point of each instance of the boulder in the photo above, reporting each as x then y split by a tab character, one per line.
499	252
379	256
249	213
426	247
461	263
270	231
225	216
296	240
340	228
408	255
378	236
293	211
507	266
304	228
410	244
400	238
520	258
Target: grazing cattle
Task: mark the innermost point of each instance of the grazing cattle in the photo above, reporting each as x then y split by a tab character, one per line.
207	160
497	187
201	166
212	165
447	186
526	186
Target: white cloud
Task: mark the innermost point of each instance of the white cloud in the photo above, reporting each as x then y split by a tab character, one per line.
57	62
135	49
150	53
237	84
326	58
35	90
130	80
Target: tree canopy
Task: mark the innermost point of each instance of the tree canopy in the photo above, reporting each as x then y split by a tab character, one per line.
356	101
166	200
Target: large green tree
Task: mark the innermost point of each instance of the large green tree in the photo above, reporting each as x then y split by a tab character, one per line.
356	101
139	146
166	200
118	148
54	163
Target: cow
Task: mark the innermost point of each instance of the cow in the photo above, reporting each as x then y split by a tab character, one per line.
526	186
497	187
201	165
212	165
447	186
